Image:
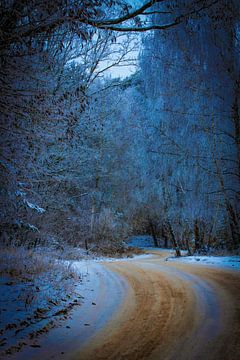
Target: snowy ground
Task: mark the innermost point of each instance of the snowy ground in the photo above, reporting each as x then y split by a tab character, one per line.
146	243
36	291
115	306
127	258
40	288
232	262
103	292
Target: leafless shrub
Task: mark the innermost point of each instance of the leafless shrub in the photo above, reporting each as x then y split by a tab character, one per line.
29	265
109	228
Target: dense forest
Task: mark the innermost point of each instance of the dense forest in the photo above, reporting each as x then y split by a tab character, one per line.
89	158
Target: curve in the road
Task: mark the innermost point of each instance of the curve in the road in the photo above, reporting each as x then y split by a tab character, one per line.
172	312
152	309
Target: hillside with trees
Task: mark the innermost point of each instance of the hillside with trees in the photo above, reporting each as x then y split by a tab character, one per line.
120	123
87	158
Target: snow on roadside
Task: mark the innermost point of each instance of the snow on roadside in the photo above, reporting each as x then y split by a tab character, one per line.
83	265
36	292
126	258
230	262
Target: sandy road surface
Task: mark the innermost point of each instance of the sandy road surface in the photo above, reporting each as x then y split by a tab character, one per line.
172	311
167	310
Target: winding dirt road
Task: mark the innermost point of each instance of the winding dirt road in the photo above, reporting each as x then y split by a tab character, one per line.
172	311
167	311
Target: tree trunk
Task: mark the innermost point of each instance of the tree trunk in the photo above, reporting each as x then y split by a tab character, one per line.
236	121
153	233
165	237
86	245
234	226
196	236
186	238
173	239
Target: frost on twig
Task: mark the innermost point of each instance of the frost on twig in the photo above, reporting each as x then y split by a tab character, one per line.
34	207
22	194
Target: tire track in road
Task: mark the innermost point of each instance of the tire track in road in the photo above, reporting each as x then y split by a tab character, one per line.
149	308
172	311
